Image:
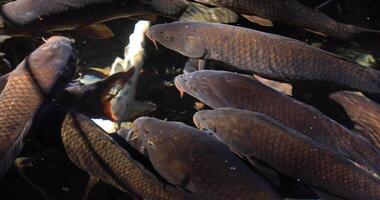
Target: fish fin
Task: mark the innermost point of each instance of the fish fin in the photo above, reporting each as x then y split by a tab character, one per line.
318	8
202	64
92	181
96	31
200	12
285	88
267	172
316	32
324	195
259	20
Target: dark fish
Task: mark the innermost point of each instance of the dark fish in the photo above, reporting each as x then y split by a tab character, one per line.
270	56
364	112
95	99
294	13
225	89
169	7
258	136
26	17
197	162
92	150
28	87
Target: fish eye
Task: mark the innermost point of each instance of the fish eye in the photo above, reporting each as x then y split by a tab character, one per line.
168	37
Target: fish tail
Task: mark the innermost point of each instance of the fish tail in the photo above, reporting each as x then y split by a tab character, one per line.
359	34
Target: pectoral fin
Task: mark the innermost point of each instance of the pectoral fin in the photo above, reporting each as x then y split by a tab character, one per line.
258	20
96	31
316	32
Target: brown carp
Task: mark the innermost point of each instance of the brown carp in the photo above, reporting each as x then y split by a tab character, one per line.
26	17
363	112
27	88
199	163
267	55
94	151
255	135
294	13
219	89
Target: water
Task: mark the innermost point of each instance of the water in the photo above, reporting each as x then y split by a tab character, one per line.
60	179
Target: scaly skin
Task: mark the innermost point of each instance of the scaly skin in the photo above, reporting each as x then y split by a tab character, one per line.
291	12
92	150
193	160
26	17
257	136
225	89
28	86
363	112
264	54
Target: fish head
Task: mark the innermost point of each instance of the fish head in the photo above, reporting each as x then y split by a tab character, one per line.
162	142
228	125
208	86
182	37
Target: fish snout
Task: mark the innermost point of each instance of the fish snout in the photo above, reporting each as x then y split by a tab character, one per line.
151	35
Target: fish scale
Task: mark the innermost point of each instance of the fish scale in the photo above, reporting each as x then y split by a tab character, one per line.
364	112
91	149
268	55
291	12
225	89
199	163
289	152
26	90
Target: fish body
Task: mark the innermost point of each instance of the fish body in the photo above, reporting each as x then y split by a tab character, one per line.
225	89
363	112
294	13
198	163
94	151
267	55
257	136
26	17
27	88
95	99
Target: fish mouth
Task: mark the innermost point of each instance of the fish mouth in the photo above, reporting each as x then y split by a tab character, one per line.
178	85
149	35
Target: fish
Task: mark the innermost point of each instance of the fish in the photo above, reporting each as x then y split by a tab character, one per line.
257	136
198	163
28	17
363	112
169	7
94	151
264	54
219	89
294	13
95	99
40	75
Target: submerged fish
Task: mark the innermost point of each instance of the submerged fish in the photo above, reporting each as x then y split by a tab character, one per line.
225	89
95	99
270	56
364	112
94	151
26	17
258	136
198	163
294	13
33	82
